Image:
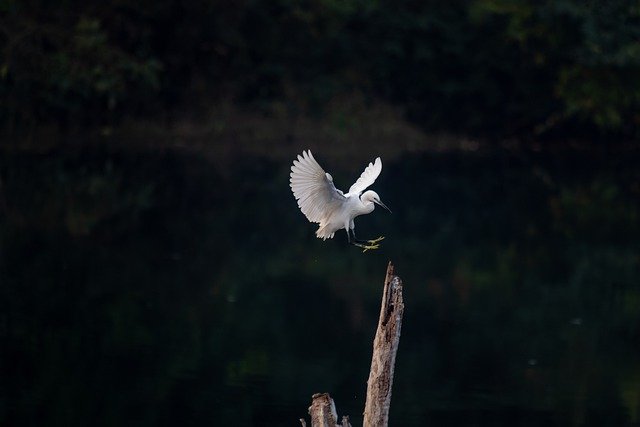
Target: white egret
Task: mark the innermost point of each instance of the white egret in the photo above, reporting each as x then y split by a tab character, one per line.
321	202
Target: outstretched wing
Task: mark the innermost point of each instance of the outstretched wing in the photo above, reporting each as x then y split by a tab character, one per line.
368	177
313	189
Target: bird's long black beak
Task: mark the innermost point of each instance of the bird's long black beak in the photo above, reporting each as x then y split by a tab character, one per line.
383	205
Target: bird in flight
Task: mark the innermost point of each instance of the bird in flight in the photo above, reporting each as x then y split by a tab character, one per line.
321	202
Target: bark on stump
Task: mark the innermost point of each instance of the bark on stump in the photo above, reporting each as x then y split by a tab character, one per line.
323	412
385	346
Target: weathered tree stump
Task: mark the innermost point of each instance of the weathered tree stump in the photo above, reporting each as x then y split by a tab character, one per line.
323	412
385	345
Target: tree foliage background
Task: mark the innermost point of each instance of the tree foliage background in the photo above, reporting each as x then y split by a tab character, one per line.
174	281
501	67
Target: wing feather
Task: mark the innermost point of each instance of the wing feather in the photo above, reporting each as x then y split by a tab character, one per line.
313	188
367	178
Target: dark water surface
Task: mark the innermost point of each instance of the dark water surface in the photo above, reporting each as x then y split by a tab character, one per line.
156	289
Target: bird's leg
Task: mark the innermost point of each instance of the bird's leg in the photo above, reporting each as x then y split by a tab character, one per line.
366	245
368	242
355	239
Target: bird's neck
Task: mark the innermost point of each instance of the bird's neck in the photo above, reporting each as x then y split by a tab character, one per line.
365	207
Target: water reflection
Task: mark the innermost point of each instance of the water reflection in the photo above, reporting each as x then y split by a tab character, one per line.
155	289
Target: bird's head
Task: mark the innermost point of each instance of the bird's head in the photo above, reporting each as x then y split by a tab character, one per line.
372	196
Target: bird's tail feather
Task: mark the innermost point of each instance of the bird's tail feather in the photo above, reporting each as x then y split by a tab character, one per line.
324	233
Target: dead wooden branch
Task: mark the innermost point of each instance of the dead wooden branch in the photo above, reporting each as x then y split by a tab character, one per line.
385	346
323	411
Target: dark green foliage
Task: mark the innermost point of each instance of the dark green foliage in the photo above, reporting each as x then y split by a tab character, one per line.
480	66
64	67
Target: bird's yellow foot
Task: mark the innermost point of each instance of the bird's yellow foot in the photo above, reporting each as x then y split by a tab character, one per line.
375	241
366	248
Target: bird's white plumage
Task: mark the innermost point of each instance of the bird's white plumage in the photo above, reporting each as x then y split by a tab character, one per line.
313	189
367	178
321	202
